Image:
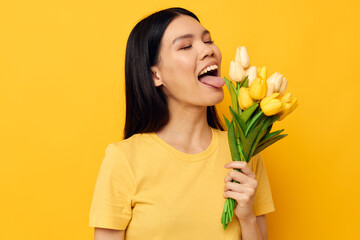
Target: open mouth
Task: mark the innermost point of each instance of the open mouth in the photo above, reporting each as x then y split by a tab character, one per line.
209	71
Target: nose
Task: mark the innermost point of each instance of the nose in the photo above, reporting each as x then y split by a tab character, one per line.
206	51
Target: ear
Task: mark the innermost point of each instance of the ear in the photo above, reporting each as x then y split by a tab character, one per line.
156	76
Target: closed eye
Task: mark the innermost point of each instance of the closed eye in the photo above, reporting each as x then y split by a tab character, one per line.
188	47
185	48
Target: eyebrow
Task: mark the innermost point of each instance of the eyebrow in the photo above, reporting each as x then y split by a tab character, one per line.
189	36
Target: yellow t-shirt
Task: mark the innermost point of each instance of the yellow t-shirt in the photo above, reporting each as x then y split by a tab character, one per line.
155	191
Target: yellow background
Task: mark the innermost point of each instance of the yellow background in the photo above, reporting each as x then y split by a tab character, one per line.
62	102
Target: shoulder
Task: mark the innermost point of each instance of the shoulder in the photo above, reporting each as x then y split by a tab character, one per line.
123	150
129	144
121	156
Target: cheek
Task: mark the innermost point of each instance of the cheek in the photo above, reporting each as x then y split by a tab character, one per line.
185	65
218	54
218	57
179	66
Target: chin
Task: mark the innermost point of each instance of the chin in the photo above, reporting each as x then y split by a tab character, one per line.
215	98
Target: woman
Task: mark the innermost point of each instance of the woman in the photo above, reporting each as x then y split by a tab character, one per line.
165	180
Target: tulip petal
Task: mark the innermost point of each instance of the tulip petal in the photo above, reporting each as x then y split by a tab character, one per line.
276	79
283	86
251	72
270	89
258	89
236	71
245	101
245	62
262	72
238	54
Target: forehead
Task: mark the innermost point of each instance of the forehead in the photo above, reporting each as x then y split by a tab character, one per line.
182	25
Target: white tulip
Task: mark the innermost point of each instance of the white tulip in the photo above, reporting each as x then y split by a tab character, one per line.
236	71
270	89
284	83
275	79
251	72
242	56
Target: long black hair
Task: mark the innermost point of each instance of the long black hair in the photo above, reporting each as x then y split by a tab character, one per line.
146	105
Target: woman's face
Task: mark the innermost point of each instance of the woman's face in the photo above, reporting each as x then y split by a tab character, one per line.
186	50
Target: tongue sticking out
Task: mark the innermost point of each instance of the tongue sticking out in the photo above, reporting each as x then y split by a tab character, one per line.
213	81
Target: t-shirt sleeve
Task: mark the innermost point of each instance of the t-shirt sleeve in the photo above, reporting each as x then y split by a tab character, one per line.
114	189
263	202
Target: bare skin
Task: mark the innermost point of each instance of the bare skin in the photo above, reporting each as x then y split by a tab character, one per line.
181	60
108	234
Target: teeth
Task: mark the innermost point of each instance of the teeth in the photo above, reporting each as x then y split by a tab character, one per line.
210	68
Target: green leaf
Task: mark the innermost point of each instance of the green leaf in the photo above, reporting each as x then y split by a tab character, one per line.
232	143
244	83
274	118
248	112
238	120
234	98
242	155
233	94
252	122
226	122
268	121
267	132
249	141
239	135
227	82
269	136
268	143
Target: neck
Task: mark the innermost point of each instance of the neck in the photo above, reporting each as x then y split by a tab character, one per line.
187	129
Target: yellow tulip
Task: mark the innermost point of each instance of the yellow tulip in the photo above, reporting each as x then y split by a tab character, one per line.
287	98
262	72
245	101
271	105
258	89
290	104
236	71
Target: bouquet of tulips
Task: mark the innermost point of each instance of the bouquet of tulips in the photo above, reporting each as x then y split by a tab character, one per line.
256	103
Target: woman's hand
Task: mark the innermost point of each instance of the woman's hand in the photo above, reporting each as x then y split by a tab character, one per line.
244	191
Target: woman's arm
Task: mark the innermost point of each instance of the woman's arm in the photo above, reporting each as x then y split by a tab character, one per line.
108	234
261	221
252	227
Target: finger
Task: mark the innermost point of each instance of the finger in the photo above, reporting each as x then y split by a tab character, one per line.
235	175
239	197
236	187
244	166
241	178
